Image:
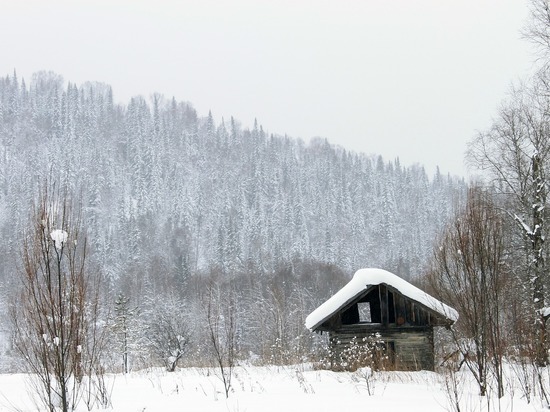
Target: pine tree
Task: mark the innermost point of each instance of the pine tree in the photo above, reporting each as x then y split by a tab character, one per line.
124	326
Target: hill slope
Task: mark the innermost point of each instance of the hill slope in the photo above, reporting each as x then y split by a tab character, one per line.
160	182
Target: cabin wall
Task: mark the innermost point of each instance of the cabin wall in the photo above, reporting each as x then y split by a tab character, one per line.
409	348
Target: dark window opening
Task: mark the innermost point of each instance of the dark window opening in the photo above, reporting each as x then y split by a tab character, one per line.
372	299
369	309
350	316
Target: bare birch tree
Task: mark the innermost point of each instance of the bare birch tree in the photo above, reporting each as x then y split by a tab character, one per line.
514	155
537	30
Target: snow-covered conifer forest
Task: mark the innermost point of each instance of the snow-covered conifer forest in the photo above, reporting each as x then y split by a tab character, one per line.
184	250
181	211
153	256
158	258
171	198
168	192
146	238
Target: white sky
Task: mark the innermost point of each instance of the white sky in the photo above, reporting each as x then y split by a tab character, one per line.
413	79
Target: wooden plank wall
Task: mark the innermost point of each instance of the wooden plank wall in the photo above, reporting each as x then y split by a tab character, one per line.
414	347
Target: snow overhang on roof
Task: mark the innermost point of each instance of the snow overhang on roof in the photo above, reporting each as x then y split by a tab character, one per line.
362	280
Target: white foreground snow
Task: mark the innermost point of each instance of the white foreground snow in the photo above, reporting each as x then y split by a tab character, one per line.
273	389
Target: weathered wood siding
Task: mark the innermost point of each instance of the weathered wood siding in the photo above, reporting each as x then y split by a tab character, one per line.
413	346
404	324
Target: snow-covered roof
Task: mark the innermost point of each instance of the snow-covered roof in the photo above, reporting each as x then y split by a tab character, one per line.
365	278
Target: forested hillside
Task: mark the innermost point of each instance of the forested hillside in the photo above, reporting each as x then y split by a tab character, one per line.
168	193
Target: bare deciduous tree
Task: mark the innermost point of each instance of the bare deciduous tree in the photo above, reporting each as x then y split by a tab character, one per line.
515	154
220	306
168	334
538	29
55	317
469	273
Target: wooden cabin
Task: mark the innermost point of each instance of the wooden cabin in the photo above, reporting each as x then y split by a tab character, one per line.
380	309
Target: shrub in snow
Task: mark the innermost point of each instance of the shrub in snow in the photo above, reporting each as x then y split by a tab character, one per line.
364	352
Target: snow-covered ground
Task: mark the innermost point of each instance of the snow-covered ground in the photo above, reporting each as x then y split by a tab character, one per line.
275	389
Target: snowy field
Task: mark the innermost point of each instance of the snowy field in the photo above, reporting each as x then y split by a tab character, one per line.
275	389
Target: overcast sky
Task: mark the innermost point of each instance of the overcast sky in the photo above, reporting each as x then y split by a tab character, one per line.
407	78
